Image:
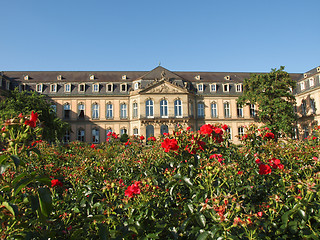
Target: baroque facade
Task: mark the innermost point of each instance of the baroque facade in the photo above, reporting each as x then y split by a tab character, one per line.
152	103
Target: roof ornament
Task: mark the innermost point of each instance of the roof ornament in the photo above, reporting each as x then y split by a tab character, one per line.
163	75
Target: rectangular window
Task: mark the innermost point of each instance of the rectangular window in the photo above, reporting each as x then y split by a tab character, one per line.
214	110
201	110
252	110
95	135
135	132
109	87
136	86
109	114
95	87
311	82
80	136
213	87
95	111
82	87
226	87
227	110
239	110
200	87
123	111
302	86
304	107
123	87
53	87
239	88
38	87
81	111
135	110
240	131
67	87
313	106
66	137
67	110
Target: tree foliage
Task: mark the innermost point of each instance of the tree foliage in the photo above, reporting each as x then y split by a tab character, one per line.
272	92
15	102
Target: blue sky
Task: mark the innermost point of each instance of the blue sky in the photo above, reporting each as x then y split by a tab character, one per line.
231	36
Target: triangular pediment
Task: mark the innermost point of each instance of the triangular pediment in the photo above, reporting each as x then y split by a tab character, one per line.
163	87
160	73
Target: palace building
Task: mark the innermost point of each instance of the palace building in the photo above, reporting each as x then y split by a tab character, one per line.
152	103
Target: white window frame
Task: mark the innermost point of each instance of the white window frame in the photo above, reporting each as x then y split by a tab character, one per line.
135	110
200	87
253	112
95	87
226	108
82	85
123	111
149	108
81	134
164	108
178	108
226	87
125	87
109	111
67	87
136	132
107	87
136	85
214	109
95	111
213	87
239	87
239	111
311	82
66	107
302	86
200	110
95	135
81	107
53	87
39	87
240	131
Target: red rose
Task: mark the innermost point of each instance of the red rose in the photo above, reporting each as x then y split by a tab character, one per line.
218	131
56	182
33	120
269	135
224	127
264	169
170	144
152	139
133	189
93	146
141	138
206	129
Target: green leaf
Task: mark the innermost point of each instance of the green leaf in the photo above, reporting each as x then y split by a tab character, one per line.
3	168
187	181
203	236
34	203
3	158
190	207
201	219
153	236
23	183
302	214
16	160
45	200
13	209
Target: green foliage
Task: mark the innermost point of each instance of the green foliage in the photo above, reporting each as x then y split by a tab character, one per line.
24	102
124	137
272	93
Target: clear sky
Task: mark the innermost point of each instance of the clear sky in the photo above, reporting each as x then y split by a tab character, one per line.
183	35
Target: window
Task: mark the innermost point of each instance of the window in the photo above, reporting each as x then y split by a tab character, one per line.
191	108
164	108
53	87
178	108
239	110
22	87
149	108
95	87
66	137
123	111
123	87
82	87
109	111
304	107
109	87
226	106
228	131
95	135
123	131
135	110
135	132
214	110
26	77
213	87
238	87
81	111
136	86
67	110
53	108
67	87
252	110
201	110
313	106
200	87
8	86
80	135
108	132
95	111
311	82
302	86
38	87
226	87
305	131
59	77
240	131
91	77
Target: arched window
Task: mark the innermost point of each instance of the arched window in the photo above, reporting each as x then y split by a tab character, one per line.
95	111
66	110
178	108
95	135
149	108
109	111
214	110
135	132
164	108
81	111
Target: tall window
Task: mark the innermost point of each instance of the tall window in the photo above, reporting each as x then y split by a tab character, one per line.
213	87
95	135
305	131
54	108
252	110
53	87
135	110
123	111
81	87
214	110
149	108
135	132
38	87
200	87
178	108
226	87
304	107
239	88
95	87
123	131
109	111
67	87
313	106
229	133
191	108
95	111
66	110
311	82
81	111
239	110
201	110
80	135
164	108
66	137
227	110
240	131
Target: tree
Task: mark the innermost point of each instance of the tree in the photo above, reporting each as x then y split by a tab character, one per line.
272	92
15	102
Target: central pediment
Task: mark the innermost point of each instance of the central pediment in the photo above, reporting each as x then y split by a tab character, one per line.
163	87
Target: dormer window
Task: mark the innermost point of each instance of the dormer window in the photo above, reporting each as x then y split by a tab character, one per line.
26	77
302	86
109	87
305	75
227	77
213	87
123	87
53	87
200	87
124	77
136	86
59	77
91	77
8	85
239	87
197	77
39	87
67	87
311	82
95	87
226	87
318	69
82	87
